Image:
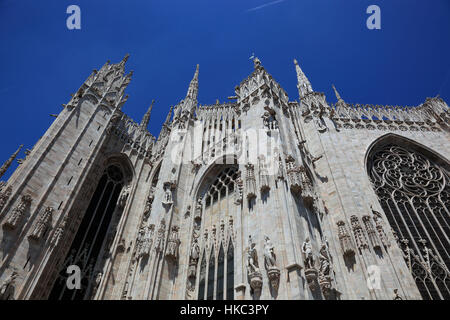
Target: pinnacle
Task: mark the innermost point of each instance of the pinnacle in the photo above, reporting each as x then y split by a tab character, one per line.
146	119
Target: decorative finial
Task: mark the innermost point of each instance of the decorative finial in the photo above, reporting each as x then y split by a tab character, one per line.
146	119
169	115
256	62
338	96
8	162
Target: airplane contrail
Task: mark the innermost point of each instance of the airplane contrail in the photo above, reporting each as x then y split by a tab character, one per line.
265	5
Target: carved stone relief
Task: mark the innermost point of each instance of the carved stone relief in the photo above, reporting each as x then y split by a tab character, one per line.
43	224
18	213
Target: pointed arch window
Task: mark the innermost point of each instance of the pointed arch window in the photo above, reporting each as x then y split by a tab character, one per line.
217	200
413	188
230	271
220	274
89	242
220	277
211	276
201	285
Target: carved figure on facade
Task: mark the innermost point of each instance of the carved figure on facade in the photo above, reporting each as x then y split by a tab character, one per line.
270	263
148	203
324	260
325	270
308	257
311	272
240	187
173	244
159	243
198	210
124	197
270	258
253	271
167	200
193	258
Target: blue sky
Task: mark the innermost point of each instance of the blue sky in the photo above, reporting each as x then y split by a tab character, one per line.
42	62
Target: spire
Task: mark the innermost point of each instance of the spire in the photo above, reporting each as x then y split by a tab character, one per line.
303	84
125	59
169	115
193	86
146	118
338	96
8	163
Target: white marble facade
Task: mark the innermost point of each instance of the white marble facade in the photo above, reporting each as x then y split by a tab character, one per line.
257	198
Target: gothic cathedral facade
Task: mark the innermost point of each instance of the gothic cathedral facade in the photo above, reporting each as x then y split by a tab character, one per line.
260	197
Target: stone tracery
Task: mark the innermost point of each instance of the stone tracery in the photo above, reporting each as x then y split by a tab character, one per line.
216	247
414	192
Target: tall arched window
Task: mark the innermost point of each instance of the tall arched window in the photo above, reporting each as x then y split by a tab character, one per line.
201	285
220	274
211	276
413	188
218	208
230	271
86	249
